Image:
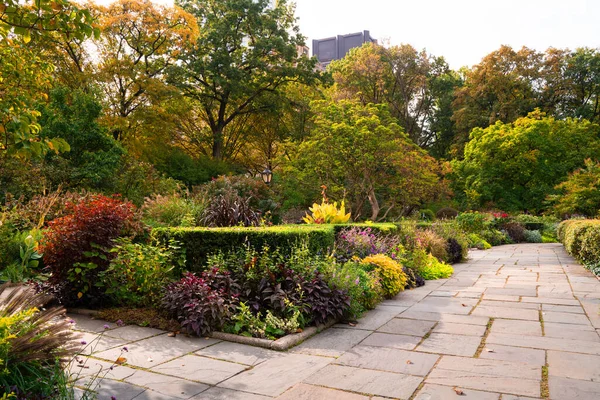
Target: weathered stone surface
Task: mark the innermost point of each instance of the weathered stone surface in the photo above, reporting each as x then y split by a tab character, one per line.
505	312
217	393
392	360
273	377
332	343
303	391
437	392
390	340
490	367
517	327
567	309
85	323
573	332
575	366
489	383
549	300
366	381
565	388
403	326
166	385
374	319
509	304
545	343
517	291
106	388
456	345
91	343
565	318
239	353
133	333
459	329
516	354
200	369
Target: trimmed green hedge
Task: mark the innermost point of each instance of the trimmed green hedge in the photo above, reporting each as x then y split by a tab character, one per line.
199	243
581	238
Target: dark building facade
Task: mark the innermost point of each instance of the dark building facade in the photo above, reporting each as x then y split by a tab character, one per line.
336	47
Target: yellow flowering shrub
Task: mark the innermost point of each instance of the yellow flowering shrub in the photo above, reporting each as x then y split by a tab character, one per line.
393	278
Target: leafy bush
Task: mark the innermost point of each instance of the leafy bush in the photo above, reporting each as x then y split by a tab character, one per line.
22	249
199	307
446	213
363	287
413	279
581	240
472	222
450	230
494	237
427	214
532	236
515	231
230	209
324	302
579	193
138	273
432	243
76	246
33	341
455	251
393	279
478	242
428	266
327	213
172	210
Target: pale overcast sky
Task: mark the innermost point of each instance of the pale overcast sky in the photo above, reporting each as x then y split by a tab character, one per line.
463	31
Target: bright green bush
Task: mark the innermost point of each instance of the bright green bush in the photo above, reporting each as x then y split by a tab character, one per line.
495	237
429	267
393	279
571	232
451	230
589	248
172	210
478	242
427	214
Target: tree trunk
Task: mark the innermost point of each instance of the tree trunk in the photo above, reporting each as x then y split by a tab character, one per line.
374	204
217	149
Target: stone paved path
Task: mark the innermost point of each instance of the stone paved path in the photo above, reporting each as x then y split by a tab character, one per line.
514	322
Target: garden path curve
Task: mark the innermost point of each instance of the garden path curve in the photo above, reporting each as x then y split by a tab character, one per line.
513	322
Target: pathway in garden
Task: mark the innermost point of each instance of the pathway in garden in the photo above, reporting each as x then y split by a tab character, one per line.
514	322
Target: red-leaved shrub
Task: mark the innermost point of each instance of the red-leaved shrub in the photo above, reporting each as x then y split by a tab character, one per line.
76	246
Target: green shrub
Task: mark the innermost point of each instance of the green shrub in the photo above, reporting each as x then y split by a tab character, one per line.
172	210
432	243
589	249
571	232
427	215
451	230
393	279
495	237
532	236
478	242
138	273
473	222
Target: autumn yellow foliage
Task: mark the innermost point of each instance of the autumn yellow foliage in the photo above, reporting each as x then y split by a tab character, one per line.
327	213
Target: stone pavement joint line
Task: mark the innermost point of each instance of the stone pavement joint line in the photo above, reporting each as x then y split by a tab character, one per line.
516	322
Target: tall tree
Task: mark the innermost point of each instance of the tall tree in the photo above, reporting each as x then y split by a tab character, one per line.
246	52
414	84
139	41
359	152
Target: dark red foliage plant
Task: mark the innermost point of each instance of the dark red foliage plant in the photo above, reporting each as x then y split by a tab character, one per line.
201	304
76	246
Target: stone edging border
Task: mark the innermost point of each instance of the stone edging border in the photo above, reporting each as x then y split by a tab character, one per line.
280	344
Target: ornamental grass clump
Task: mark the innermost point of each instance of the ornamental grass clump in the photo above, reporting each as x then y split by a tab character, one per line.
34	343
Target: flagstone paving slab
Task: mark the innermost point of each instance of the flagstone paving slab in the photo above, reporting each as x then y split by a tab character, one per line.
456	345
200	369
437	392
517	327
398	386
459	329
517	354
217	393
565	388
402	326
332	343
390	340
392	360
303	391
545	343
239	353
576	366
577	332
273	377
166	385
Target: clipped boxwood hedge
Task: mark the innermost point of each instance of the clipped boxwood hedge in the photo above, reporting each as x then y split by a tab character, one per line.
199	243
581	238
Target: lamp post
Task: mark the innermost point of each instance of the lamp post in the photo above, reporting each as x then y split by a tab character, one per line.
267	175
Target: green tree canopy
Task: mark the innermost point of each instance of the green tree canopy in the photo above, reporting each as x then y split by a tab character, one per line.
515	166
580	193
360	153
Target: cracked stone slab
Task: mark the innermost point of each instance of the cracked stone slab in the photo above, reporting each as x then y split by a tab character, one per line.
239	353
303	391
200	369
391	360
398	386
331	343
437	392
273	377
456	345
